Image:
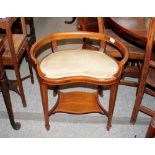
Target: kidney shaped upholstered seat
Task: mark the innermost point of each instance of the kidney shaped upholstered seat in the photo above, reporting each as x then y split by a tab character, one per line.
79	62
77	66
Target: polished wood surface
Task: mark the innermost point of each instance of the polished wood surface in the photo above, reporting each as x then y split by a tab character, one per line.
133	29
78	103
72	102
5	90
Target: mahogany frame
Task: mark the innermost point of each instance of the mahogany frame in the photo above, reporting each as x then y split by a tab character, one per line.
45	82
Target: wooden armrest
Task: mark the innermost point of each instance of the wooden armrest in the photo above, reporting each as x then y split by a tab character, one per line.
122	49
82	34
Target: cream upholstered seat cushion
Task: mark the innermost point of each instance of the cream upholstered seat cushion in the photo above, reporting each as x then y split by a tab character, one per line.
78	62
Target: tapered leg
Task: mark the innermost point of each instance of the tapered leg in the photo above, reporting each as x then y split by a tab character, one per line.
55	90
20	85
5	91
113	94
44	96
151	129
139	97
139	77
16	65
100	91
30	66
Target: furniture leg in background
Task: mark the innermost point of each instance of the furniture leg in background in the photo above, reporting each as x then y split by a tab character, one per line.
151	129
5	91
16	46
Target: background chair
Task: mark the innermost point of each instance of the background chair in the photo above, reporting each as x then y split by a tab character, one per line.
147	77
15	47
136	53
16	29
5	90
66	66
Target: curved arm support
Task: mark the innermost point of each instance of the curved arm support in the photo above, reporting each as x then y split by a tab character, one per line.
79	34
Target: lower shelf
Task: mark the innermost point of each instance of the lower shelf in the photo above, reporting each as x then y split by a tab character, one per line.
78	103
